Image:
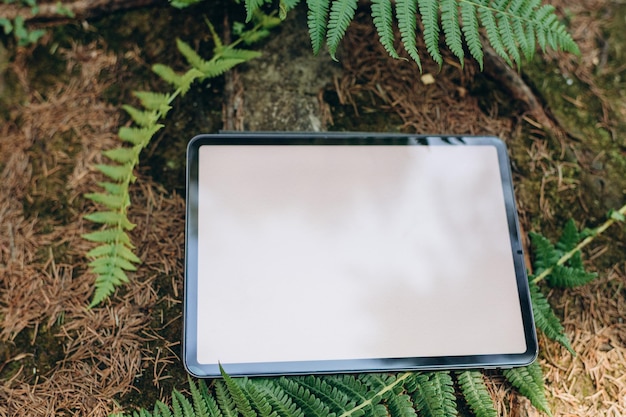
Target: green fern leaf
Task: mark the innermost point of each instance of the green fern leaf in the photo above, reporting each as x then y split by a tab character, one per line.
452	28
546	320
224	400
116	172
316	19
113	250
569	238
113	262
113	190
220	66
475	393
341	14
407	23
154	101
141	117
307	401
434	394
188	78
356	389
336	399
162	410
167	73
236	393
108	278
191	56
429	9
522	40
257	399
382	14
199	404
508	37
488	21
181	405
545	254
530	384
110	218
108	236
111	201
471	33
251	7
121	155
280	401
239	54
138	136
401	405
568	277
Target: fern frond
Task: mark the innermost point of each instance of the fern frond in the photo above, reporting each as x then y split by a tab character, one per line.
143	118
181	405
429	10
471	33
488	21
546	320
201	408
529	381
505	28
280	401
569	237
236	393
475	392
452	28
251	7
116	172
407	23
304	398
341	14
434	394
110	218
219	66
235	53
138	136
167	73
569	277
545	254
154	101
121	155
108	236
316	20
108	249
113	201
224	400
258	400
382	15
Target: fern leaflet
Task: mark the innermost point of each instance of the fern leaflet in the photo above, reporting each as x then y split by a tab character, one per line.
316	20
475	392
429	10
383	21
546	320
529	381
406	14
452	28
341	14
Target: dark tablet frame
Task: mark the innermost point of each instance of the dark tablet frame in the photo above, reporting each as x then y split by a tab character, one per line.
353	365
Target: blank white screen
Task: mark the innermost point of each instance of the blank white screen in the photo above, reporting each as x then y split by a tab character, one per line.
353	252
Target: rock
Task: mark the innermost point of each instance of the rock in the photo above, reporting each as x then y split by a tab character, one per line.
280	89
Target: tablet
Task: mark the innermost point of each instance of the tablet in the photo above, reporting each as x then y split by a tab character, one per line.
343	253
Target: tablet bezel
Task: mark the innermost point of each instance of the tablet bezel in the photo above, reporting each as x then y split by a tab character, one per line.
190	321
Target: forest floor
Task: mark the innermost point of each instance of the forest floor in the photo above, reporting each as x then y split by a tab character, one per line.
60	107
